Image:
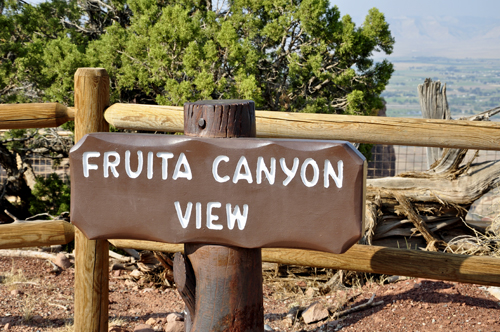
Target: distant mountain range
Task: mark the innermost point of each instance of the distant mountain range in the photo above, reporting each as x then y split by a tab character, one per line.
445	36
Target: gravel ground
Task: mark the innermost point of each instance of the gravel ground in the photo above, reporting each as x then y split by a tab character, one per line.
32	298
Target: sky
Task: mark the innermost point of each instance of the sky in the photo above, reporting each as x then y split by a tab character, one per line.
445	28
394	8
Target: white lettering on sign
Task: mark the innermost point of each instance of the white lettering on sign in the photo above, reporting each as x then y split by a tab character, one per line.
165	156
111	165
328	171
290	173
129	171
234	215
183	218
303	170
186	173
215	165
238	175
262	168
242	170
211	218
86	165
150	165
198	215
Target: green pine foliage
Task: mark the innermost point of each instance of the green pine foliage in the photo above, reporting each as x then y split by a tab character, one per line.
51	195
296	56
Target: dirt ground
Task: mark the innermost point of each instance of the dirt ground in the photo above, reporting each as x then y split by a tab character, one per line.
32	298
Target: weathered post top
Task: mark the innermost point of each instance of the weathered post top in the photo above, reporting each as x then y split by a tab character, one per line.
206	118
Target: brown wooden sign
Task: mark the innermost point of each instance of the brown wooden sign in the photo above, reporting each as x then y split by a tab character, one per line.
243	192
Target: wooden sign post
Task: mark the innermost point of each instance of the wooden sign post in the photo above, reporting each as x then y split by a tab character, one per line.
224	198
227	281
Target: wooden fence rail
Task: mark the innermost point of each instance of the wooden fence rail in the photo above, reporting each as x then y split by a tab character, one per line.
35	233
372	259
363	129
36	115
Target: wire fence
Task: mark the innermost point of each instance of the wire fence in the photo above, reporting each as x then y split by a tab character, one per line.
43	167
388	160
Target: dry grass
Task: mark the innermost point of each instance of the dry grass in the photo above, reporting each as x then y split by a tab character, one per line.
479	244
13	278
28	307
29	304
68	327
303	285
117	322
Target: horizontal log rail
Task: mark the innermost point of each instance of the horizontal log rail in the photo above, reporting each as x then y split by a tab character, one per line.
35	233
363	129
371	259
35	115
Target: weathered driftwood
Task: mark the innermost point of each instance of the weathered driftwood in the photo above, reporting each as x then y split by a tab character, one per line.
60	260
410	206
427	209
434	105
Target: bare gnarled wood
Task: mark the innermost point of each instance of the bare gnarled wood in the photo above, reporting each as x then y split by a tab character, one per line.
91	256
426	209
419	203
35	115
434	105
363	129
35	233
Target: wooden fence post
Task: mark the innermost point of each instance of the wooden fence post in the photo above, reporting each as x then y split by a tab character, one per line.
227	281
91	256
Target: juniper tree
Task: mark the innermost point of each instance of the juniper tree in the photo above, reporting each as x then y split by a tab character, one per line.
298	56
295	56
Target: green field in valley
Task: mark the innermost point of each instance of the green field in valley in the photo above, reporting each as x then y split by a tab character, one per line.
472	85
